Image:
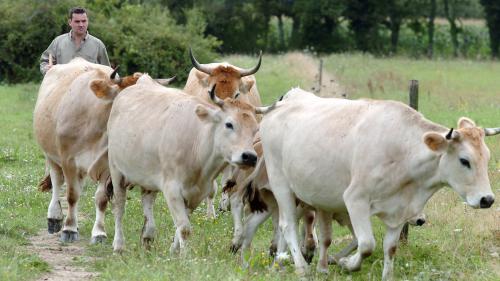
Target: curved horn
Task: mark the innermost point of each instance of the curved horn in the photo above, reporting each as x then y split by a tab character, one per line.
215	98
491	131
201	67
246	72
448	136
166	81
113	75
265	109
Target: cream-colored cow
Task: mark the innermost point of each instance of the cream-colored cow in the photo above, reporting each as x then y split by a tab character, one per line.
165	140
232	82
70	127
365	158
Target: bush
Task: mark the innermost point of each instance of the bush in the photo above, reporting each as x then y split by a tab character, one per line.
138	38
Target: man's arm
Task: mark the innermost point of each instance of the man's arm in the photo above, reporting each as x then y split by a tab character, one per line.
44	58
102	57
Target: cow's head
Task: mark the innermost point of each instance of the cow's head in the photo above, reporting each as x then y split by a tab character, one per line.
464	161
235	125
107	87
229	78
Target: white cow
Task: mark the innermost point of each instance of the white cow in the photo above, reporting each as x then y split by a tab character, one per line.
70	125
165	140
232	82
365	158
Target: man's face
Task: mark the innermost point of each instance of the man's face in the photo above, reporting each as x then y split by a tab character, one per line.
79	24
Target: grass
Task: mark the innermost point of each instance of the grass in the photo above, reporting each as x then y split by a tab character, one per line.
455	244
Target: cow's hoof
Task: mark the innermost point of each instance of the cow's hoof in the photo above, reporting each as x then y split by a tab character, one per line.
333	260
68	236
234	248
272	250
54	225
147	242
308	257
99	239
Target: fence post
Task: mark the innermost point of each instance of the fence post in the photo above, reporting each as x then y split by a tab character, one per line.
413	104
320	78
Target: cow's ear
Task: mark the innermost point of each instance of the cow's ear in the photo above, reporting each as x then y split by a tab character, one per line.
103	90
465	122
206	114
202	78
435	141
246	85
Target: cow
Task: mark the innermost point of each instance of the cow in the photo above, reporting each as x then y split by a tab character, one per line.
70	127
149	145
252	188
362	158
232	82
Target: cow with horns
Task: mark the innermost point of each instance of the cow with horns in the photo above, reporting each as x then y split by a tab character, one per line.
70	127
377	158
232	82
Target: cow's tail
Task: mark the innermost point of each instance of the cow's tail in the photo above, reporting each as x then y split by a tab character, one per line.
251	193
45	185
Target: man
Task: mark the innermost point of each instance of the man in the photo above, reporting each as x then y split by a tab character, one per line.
76	43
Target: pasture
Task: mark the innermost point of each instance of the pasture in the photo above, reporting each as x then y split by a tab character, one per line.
456	243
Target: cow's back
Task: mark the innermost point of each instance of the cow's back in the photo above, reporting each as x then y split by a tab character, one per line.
323	143
53	89
141	114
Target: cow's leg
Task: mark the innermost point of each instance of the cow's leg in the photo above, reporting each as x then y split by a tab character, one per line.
347	250
210	201
73	179
177	207
253	221
101	203
55	214
287	222
359	212
276	233
325	239
228	183
237	214
391	240
149	228
310	241
119	200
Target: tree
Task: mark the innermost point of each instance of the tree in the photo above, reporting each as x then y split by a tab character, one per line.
430	28
492	12
365	18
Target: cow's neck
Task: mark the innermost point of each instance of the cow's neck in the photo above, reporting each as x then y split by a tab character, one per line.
428	179
211	160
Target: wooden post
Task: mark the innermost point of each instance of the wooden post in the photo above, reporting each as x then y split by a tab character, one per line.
414	94
320	75
413	104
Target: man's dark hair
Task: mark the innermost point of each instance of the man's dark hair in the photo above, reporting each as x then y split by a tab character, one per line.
76	10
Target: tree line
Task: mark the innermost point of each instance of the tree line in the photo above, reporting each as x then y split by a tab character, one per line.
154	35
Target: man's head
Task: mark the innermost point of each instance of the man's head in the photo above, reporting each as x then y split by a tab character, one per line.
78	21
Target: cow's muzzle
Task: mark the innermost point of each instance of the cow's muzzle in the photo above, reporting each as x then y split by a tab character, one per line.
486	201
249	159
420	222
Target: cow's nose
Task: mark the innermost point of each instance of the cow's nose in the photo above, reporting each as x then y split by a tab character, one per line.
420	222
249	158
486	201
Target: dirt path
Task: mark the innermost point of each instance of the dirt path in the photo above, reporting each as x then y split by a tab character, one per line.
61	257
308	67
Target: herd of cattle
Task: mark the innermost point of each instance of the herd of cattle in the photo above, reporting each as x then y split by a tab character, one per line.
321	159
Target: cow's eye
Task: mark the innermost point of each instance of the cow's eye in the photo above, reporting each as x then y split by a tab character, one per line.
237	95
229	126
465	162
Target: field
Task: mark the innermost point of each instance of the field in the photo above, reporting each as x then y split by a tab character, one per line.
457	243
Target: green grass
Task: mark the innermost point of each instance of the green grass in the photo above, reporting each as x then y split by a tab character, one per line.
455	244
